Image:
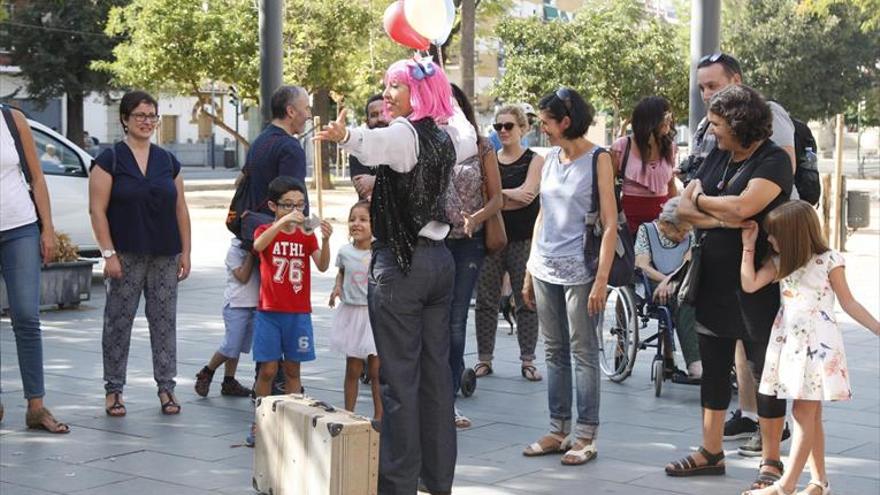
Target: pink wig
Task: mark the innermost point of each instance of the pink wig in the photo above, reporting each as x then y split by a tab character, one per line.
431	96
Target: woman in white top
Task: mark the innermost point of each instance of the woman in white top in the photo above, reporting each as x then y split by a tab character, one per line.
569	298
24	245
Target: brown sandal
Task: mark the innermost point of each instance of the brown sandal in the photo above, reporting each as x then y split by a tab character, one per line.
482	369
530	373
688	466
766	478
169	405
117	409
35	420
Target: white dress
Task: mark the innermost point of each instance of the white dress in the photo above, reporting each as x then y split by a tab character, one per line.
351	333
805	356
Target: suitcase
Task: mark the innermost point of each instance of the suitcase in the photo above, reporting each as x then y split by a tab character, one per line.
307	447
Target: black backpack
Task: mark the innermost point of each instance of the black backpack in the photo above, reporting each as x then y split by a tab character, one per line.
806	175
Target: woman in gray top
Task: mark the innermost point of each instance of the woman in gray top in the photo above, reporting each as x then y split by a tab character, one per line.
569	299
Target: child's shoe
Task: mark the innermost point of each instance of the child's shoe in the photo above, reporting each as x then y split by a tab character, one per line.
203	381
250	440
233	388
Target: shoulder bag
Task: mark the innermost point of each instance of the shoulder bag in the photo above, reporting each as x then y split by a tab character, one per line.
496	235
623	263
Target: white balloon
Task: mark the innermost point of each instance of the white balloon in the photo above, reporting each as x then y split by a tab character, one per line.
450	21
430	18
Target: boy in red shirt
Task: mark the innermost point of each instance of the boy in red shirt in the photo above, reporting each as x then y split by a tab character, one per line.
283	324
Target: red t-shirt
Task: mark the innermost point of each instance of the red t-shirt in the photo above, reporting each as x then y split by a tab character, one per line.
285	275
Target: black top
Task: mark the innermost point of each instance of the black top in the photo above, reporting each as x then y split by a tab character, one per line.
519	224
403	203
142	212
722	306
355	167
272	154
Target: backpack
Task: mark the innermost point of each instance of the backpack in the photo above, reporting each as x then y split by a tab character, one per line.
244	214
806	175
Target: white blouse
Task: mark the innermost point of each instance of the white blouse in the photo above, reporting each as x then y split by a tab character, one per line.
397	146
16	207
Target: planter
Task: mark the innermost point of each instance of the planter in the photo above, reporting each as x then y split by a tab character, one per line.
61	284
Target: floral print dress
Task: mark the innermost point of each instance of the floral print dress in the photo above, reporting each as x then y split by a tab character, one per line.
805	356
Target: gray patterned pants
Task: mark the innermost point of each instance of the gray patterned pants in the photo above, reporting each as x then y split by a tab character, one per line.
513	261
156	277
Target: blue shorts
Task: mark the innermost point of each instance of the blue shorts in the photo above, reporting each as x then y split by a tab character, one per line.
239	331
283	335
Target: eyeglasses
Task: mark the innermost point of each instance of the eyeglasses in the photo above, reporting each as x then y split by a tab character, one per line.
145	117
564	94
507	126
291	206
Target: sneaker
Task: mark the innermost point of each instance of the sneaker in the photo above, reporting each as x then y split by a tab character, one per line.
739	426
752	448
250	440
233	388
203	381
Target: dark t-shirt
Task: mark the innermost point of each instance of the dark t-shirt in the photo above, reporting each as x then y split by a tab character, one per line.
355	167
142	212
520	223
722	306
272	154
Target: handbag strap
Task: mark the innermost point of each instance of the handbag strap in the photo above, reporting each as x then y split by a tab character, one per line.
595	206
12	125
621	173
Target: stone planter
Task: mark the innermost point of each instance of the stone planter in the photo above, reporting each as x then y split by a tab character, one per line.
61	284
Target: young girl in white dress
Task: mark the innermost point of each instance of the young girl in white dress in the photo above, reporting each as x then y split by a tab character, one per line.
805	357
351	333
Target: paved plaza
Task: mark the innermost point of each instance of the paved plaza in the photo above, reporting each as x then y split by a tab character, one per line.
200	451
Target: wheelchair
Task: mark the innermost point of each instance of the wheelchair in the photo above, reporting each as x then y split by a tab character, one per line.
628	312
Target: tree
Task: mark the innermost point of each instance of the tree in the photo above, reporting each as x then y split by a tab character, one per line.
54	43
468	26
541	56
816	62
181	46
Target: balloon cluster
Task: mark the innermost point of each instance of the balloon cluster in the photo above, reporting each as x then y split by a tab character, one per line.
418	23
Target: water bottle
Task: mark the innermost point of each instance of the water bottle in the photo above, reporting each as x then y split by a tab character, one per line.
811	161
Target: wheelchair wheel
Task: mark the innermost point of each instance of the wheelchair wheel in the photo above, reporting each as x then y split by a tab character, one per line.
468	382
657	375
618	334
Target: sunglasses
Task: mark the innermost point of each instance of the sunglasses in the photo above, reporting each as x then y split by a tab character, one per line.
564	94
712	58
507	126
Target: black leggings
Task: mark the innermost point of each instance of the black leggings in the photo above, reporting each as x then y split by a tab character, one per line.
718	356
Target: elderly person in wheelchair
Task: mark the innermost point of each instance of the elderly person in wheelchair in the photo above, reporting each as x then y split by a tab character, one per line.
661	247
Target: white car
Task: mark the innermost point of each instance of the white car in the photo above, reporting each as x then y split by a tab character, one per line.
66	167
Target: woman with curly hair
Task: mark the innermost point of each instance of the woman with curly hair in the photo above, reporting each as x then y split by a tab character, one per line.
743	178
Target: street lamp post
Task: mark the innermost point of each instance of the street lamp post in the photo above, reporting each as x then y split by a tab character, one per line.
705	40
271	20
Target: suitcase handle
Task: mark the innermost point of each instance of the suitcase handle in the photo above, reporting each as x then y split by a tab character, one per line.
323	405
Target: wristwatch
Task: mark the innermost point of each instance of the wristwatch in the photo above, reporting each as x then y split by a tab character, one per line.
107	253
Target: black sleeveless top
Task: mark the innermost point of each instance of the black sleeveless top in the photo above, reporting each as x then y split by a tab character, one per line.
403	203
520	223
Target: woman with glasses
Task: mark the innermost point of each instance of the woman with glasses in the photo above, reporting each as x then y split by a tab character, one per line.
520	179
646	160
569	298
142	226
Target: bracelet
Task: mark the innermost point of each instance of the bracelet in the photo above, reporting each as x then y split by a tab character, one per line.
697	203
347	136
748	250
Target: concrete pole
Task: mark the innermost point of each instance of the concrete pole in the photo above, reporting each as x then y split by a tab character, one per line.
705	40
838	224
271	21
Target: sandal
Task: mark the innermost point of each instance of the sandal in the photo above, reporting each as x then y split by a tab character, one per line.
765	478
537	449
117	409
36	420
688	466
825	488
461	421
580	456
482	369
530	373
170	407
775	487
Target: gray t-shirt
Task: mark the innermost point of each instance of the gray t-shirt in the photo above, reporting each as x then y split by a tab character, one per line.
355	264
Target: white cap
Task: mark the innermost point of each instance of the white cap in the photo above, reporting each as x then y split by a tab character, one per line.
528	109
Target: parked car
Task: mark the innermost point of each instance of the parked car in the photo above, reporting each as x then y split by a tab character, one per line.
66	167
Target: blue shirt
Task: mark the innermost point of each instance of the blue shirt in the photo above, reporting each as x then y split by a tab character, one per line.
272	154
143	208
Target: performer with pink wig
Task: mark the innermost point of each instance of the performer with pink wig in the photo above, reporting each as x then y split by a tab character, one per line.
412	271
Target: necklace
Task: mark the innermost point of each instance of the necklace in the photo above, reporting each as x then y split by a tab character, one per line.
724	182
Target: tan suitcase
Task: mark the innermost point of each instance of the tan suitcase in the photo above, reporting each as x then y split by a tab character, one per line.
306	447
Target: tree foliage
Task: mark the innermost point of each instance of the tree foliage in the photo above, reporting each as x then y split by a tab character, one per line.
54	43
816	61
645	60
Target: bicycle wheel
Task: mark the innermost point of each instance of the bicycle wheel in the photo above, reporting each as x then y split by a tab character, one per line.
618	334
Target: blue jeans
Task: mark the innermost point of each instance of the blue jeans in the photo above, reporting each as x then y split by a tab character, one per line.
468	254
568	331
20	263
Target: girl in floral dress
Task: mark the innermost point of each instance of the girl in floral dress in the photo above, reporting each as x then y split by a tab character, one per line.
805	357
